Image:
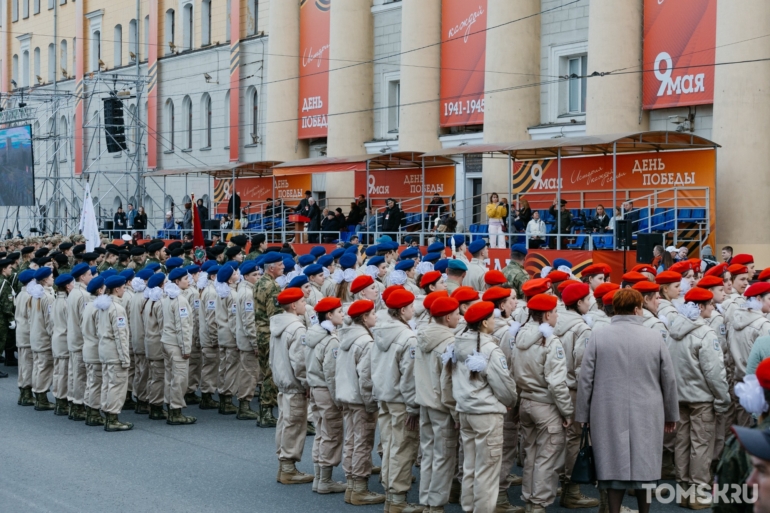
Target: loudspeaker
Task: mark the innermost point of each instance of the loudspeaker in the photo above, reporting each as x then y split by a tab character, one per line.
108	225
114	125
623	236
645	242
211	224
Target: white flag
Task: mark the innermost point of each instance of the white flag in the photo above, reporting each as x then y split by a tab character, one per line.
88	226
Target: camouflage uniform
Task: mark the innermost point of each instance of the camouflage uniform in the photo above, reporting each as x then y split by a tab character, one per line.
515	276
7	310
67	269
119	267
155	261
265	306
103	267
253	255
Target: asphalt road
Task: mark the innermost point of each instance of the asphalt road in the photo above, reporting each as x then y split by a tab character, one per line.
50	463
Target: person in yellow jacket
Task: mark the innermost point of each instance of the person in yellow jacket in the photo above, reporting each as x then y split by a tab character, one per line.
496	213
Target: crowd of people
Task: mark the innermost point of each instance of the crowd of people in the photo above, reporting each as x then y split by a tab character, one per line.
462	369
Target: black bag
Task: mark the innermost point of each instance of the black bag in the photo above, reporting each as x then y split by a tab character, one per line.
584	471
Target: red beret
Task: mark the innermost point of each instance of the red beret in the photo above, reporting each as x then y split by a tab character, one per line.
328	304
537	286
478	312
558	276
429	278
465	294
698	294
764	275
718	270
736	269
607	298
763	373
607	269
667	277
360	283
593	270
695	263
542	303
430	298
743	259
563	285
494	278
496	293
444	306
710	281
399	299
575	292
387	292
289	296
758	289
634	277
360	307
605	287
681	267
645	287
645	268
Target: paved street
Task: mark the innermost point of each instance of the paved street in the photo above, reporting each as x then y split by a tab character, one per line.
50	463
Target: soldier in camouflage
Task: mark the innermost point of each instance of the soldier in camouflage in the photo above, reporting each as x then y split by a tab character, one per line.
26	258
7	309
514	272
265	306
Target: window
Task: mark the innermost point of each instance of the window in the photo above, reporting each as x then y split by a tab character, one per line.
25	69
170	31
227	22
566	97
187	23
207	118
226	124
74	53
25	9
577	68
15	70
96	49
206	22
36	7
170	121
62	2
188	126
252	17
51	62
51	4
117	42
63	133
36	55
394	105
254	104
14	10
133	39
63	57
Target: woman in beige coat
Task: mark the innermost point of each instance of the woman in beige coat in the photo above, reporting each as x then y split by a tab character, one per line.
61	356
484	390
41	330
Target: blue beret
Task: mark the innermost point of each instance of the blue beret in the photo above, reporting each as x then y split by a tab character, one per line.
384	238
404	265
326	260
271	258
95	284
232	263
28	275
348	260
260	260
194	269
224	274
109	272
457	264
155	266
114	282
156	280
318	251
376	261
312	270
477	245
94	270
43	273
306	260
393	246
248	267
519	248
208	264
337	253
372	250
409	253
441	265
297	282
79	270
174	262
459	240
288	264
353	248
177	273
561	262
63	280
432	257
128	274
436	247
213	270
144	274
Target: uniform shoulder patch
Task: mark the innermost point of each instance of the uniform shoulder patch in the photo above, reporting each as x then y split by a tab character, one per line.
248	306
211	304
664	334
412	352
512	343
334	352
183	313
717	347
233	308
302	340
503	363
121	322
196	303
560	353
722	329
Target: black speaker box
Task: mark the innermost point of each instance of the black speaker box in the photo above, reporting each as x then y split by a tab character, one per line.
114	125
623	235
645	242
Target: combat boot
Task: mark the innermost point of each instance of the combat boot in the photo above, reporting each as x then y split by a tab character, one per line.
129	403
175	418
439	509
288	474
266	418
504	505
327	485
514	480
62	408
157	412
93	417
70	410
208	402
349	489
245	412
361	496
699	502
191	398
42	403
455	492
79	413
398	504
21	396
376	470
668	471
571	498
113	424
142	408
316	476
226	406
310	428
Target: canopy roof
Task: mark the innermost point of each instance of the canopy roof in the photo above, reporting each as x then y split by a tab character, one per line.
379	161
241	170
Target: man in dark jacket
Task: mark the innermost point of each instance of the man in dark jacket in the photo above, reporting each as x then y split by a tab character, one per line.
330	227
203	211
391	220
566	218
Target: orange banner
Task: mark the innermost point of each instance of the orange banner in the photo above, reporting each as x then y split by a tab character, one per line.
679	55
463	55
314	23
407	183
290	189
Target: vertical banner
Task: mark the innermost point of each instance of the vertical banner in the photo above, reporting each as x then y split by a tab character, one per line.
314	27
235	77
79	87
152	89
679	54
463	56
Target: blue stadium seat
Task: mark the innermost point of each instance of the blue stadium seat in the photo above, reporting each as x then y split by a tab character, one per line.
580	242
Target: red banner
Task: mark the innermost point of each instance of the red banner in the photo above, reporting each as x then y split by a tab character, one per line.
406	183
235	78
314	26
256	191
679	55
463	55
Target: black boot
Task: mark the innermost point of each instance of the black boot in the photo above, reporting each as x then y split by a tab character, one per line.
42	403
10	360
129	404
191	398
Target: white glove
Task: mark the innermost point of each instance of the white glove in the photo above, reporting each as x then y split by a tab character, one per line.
12	326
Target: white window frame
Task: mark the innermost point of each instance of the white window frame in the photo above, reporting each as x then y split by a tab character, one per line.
169	34
188	26
390	113
95	25
51	62
117	46
558	92
206	22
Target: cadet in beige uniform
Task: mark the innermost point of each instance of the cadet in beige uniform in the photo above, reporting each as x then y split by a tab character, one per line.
359	407
320	360
114	353
476	267
393	354
76	302
599	315
483	390
209	337
315	275
546	409
438	433
404	274
136	334
23	348
226	311
192	294
126	300
94	370
246	339
287	363
61	356
41	330
701	384
152	315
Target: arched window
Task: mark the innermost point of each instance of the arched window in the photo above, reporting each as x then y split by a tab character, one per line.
15	10
96	49
188	122
254	119
15	69
170	41
133	39
170	122
251	17
205	22
25	69
51	62
63	132
146	49
63	58
36	55
226	124
206	116
227	22
187	24
117	42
